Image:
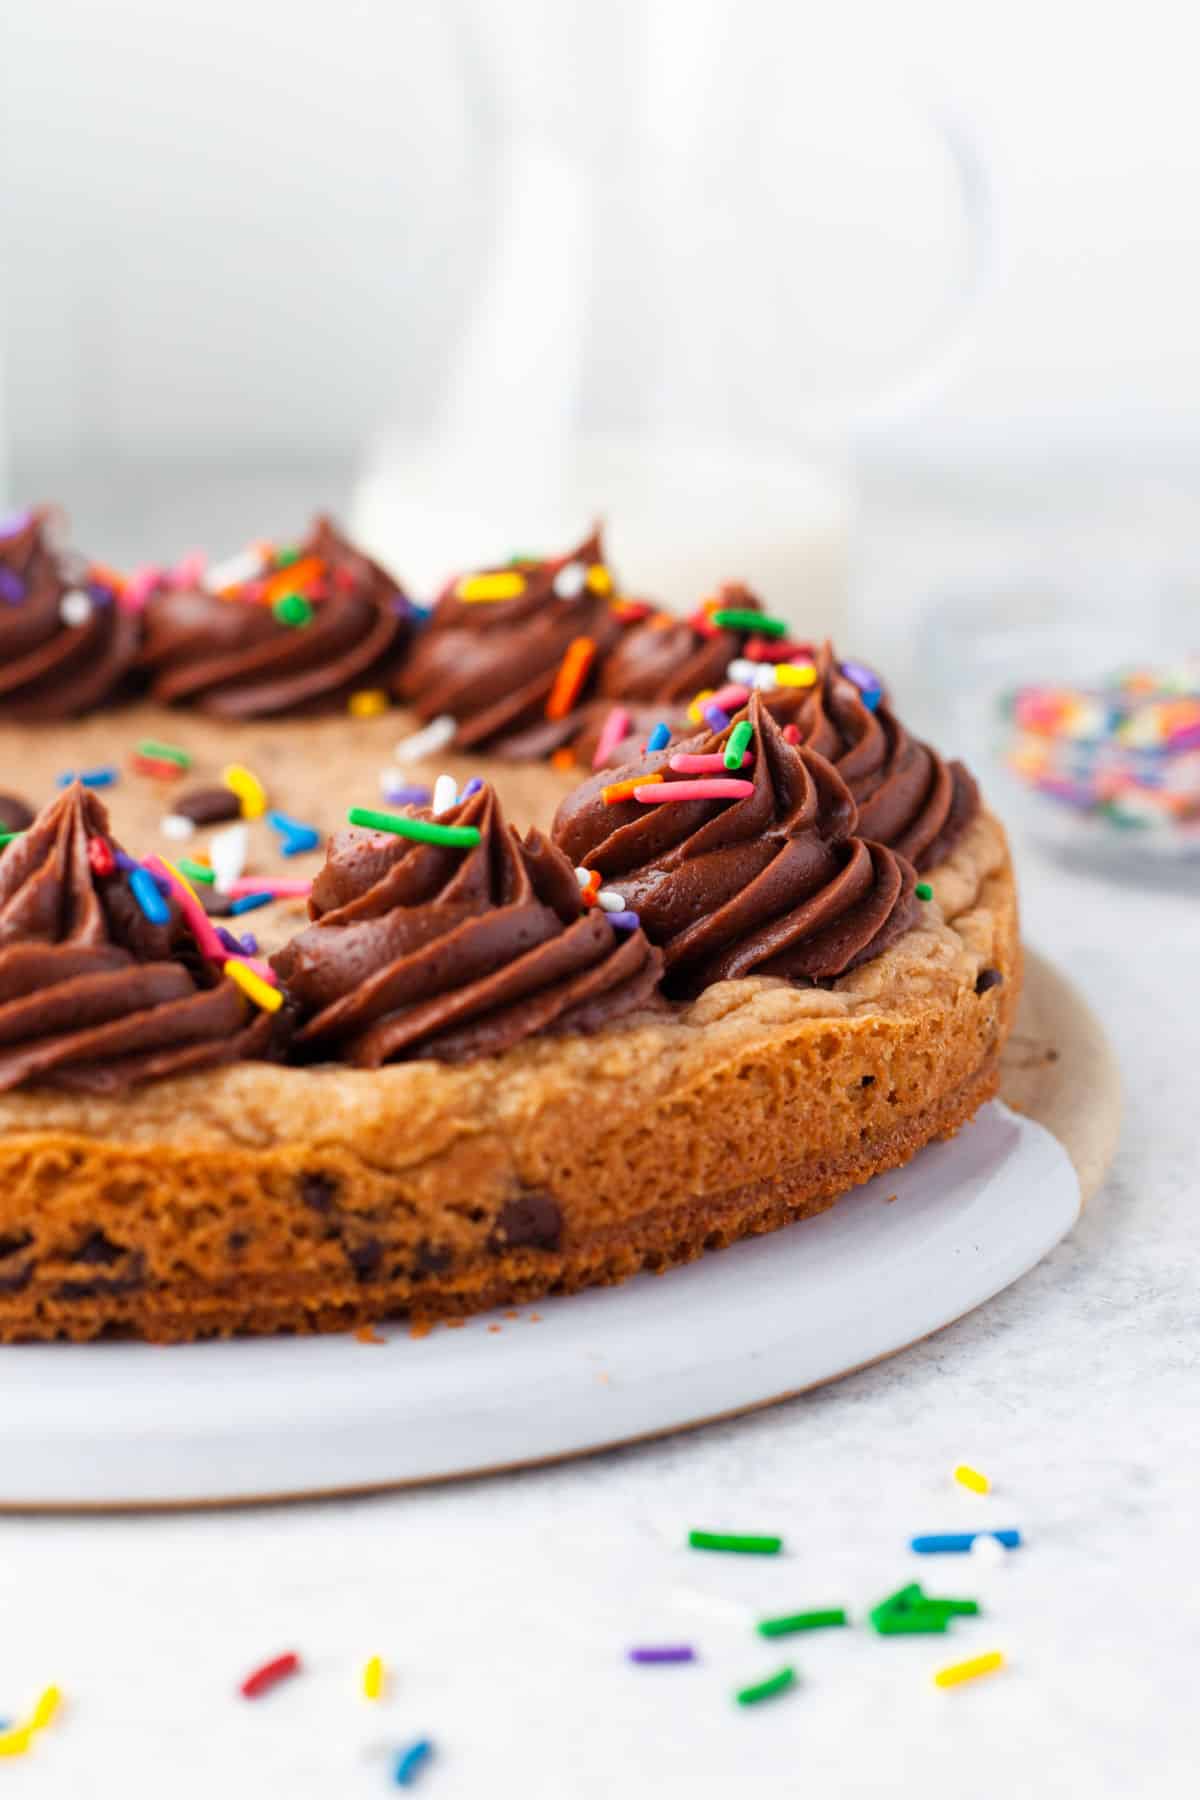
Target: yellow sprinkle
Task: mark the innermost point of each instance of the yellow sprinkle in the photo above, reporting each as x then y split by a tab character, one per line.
368	703
372	1679
180	878
957	1673
794	675
248	788
971	1478
253	986
15	1742
502	584
694	713
48	1703
599	579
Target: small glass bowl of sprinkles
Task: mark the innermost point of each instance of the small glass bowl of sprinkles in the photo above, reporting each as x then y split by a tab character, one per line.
1112	762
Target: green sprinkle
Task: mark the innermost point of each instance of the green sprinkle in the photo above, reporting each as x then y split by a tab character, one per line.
164	752
6	838
779	1683
423	831
924	891
283	559
292	609
196	871
742	618
911	1611
738	743
725	1540
808	1621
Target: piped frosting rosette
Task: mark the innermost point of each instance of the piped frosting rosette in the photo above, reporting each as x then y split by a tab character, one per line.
67	644
749	869
455	938
101	983
278	630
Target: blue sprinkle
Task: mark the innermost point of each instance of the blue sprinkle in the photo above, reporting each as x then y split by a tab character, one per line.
249	902
961	1540
623	921
299	841
91	778
474	786
410	1761
145	892
659	738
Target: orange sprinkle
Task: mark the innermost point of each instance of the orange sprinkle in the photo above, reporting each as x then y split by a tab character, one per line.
624	790
572	672
292	579
563	759
367	1334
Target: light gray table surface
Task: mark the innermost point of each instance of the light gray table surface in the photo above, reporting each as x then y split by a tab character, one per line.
504	1605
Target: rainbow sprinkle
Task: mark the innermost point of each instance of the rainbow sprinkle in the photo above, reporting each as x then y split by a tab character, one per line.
422	831
410	1762
957	1673
734	1541
659	738
648	795
572	673
972	1479
779	1683
662	1653
103	777
739	742
373	1678
739	618
253	986
249	789
145	891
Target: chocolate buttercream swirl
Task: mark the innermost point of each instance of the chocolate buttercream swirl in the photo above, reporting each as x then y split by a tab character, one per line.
492	664
772	883
667	661
427	950
235	653
92	994
908	796
66	645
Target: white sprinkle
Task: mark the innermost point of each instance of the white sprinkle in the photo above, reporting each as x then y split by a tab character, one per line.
174	825
570	581
436	736
445	795
75	607
741	670
989	1550
234	571
583	876
227	850
608	901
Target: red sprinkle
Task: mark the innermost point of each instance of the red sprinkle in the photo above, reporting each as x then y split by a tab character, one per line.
100	856
158	766
792	734
262	1680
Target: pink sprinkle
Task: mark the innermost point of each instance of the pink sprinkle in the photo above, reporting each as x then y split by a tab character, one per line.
138	588
705	765
693	790
616	727
262	969
282	888
208	943
189	570
731	697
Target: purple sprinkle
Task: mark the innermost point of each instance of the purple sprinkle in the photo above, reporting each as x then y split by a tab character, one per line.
123	860
408	796
15	523
100	593
663	1653
249	944
474	786
861	676
12	588
715	716
230	942
623	921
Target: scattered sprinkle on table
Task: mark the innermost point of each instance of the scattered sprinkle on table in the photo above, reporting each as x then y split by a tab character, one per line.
779	1683
249	902
939	1542
911	1612
261	1680
973	1479
401	794
367	703
422	831
410	1762
662	1653
787	1623
435	736
738	1542
159	768
278	887
956	1673
923	891
373	1678
249	789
